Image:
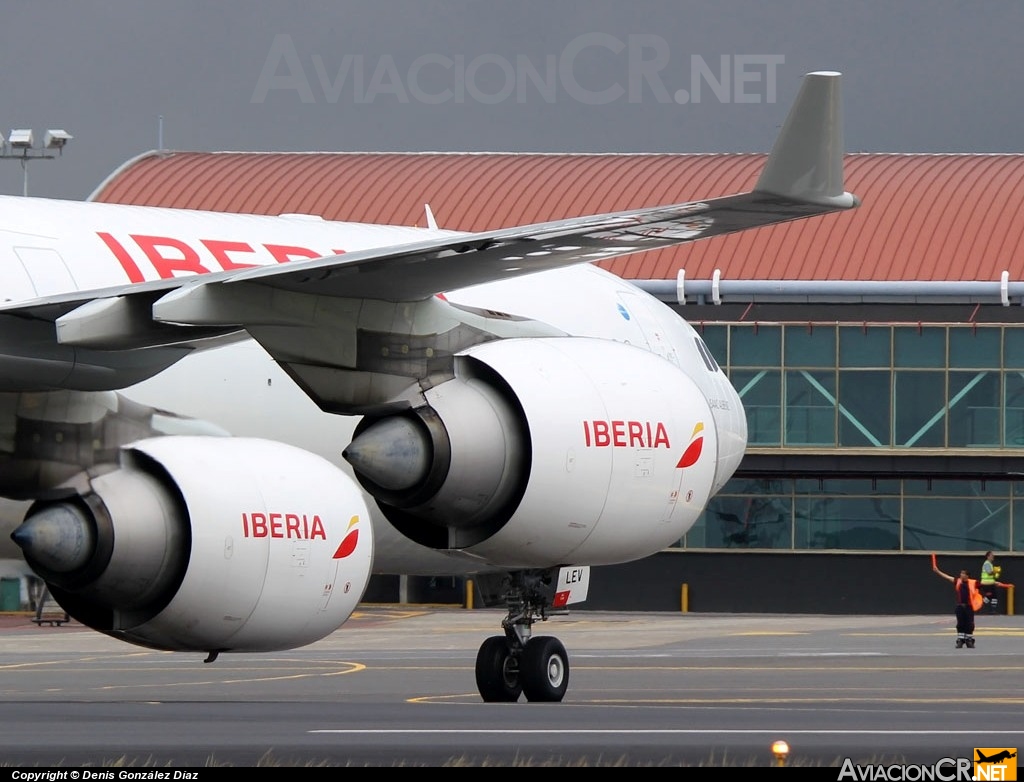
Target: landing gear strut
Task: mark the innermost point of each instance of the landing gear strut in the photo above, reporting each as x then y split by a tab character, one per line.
519	662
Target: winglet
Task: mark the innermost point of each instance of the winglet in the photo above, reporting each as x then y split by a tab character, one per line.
806	163
431	222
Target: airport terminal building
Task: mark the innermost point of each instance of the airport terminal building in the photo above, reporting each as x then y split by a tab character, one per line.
879	353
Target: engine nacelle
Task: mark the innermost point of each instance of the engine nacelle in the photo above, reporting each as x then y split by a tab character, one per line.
546	451
206	544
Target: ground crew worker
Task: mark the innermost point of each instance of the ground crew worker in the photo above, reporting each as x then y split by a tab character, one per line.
968	600
989	580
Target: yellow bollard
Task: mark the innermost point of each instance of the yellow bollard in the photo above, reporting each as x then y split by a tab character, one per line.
1009	599
685	598
469	593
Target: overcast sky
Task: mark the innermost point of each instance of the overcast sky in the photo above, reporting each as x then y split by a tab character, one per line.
531	75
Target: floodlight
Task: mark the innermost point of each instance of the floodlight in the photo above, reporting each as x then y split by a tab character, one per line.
56	139
21	139
21	146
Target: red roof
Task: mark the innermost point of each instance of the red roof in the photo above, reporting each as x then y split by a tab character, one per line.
923	217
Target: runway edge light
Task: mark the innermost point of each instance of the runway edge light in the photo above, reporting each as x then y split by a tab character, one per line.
780	749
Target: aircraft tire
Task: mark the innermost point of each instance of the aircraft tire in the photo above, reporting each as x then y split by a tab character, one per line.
497	672
544	670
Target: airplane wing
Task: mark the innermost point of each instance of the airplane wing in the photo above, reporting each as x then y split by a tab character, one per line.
320	299
803	177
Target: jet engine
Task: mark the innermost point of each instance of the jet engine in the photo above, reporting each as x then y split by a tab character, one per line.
545	451
193	543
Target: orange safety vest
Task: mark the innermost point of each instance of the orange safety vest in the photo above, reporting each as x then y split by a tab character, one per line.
977	601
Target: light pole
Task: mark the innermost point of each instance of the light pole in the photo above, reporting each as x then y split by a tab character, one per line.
21	146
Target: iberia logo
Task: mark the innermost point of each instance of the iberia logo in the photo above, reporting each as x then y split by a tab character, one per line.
692	452
995	763
351	540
